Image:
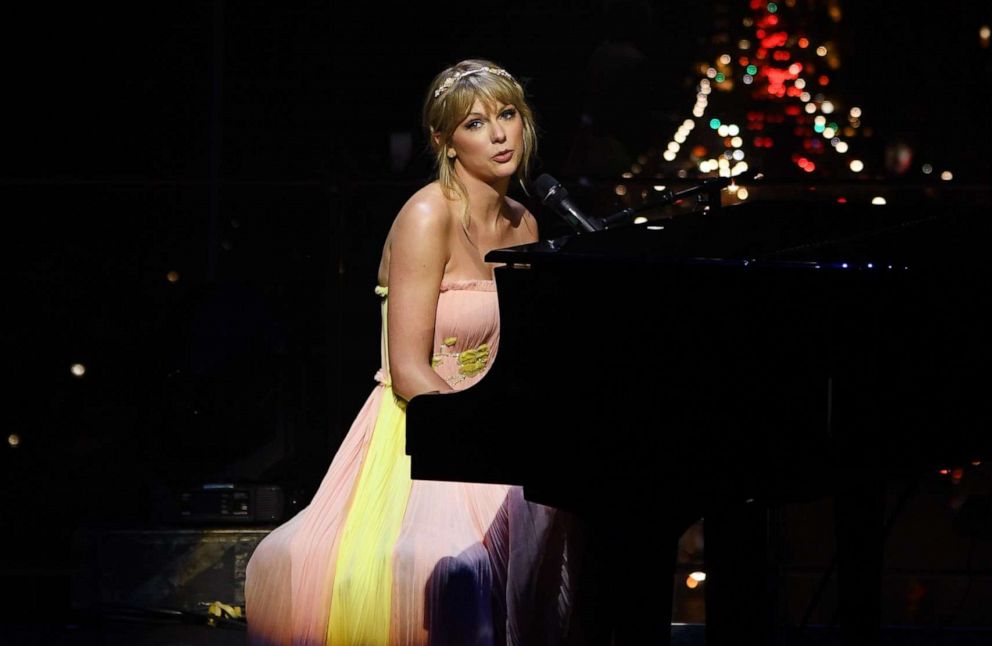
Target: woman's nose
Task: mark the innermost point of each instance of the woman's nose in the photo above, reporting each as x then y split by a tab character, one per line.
499	134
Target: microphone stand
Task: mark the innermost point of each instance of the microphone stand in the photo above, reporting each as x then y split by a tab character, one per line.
708	191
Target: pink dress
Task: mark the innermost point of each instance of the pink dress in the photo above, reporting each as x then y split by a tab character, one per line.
378	558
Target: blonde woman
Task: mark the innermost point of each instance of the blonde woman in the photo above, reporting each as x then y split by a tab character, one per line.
377	558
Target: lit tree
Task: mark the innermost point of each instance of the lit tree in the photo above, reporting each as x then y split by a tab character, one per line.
765	101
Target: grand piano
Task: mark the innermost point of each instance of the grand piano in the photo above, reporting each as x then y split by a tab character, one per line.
690	365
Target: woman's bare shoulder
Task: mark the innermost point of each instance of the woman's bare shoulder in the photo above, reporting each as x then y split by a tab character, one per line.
427	211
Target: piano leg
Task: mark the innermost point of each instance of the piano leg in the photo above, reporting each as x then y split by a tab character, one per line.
858	516
623	588
742	595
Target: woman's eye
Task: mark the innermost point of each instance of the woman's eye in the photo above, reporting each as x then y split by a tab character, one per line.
472	124
508	114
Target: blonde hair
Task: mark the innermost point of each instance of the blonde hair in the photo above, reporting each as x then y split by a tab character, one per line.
449	100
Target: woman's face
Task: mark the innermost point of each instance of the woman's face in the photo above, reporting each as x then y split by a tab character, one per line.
489	144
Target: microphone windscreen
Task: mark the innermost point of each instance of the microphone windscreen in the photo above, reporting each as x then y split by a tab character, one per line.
545	185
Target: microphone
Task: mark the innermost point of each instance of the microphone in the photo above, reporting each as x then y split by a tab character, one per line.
554	195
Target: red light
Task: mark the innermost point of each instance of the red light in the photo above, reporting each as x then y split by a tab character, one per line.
761	53
778	39
803	43
755	4
792	110
760	33
944	472
810	167
841	200
795	68
824	80
772	20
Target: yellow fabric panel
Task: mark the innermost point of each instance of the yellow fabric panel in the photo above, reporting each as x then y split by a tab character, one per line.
363	581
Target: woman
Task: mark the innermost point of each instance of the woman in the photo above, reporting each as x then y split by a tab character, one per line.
377	558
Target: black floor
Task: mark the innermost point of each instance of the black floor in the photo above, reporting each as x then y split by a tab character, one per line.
126	633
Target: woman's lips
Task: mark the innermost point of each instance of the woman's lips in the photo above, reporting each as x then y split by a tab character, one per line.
503	157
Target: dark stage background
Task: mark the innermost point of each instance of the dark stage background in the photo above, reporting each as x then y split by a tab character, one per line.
195	196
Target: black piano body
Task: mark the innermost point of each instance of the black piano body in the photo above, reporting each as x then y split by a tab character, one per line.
764	350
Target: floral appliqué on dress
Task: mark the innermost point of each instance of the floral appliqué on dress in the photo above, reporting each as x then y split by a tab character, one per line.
470	362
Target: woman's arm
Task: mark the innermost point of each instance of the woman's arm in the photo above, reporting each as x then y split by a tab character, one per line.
417	257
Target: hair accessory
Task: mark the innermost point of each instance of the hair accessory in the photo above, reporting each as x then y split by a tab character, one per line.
448	82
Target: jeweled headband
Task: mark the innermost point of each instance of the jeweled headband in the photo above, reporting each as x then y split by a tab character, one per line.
448	82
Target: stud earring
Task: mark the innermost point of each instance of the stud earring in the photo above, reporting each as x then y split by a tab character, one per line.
451	154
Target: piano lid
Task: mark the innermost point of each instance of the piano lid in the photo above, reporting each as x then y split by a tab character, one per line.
792	235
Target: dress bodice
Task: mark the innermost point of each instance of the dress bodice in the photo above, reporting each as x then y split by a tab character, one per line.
466	331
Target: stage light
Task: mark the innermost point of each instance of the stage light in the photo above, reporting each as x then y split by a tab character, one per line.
857	165
878	200
620	189
172	276
640	219
947	176
77	370
927	169
14	440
